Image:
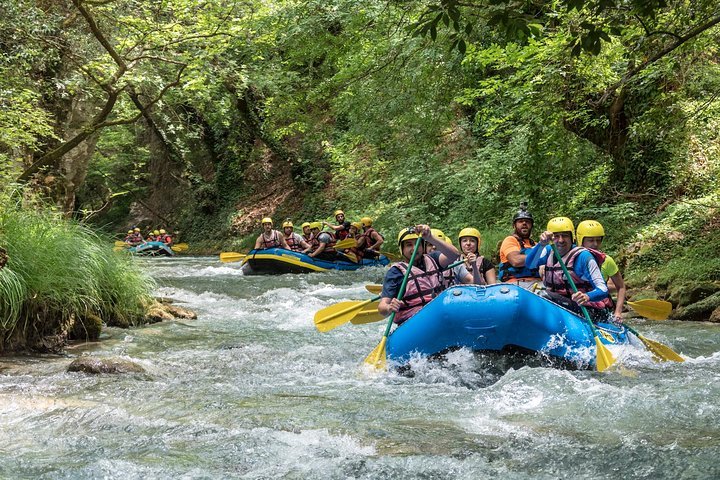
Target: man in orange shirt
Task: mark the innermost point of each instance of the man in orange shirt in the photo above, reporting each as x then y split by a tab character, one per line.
513	251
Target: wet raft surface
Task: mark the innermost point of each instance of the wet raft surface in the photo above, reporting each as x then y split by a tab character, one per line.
252	390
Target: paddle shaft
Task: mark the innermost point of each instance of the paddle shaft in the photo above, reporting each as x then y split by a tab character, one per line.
350	309
401	292
574	288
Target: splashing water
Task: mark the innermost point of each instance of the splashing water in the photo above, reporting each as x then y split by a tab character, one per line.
252	390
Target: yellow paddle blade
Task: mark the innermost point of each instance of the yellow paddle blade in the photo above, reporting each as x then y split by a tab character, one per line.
347	243
378	357
663	352
652	309
180	247
604	356
118	249
338	314
120	243
175	248
368	314
391	256
351	256
376	289
226	257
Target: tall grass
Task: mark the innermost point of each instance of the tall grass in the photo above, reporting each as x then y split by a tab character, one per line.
60	272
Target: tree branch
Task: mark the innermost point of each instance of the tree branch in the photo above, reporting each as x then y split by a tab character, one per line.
101	38
677	43
53	156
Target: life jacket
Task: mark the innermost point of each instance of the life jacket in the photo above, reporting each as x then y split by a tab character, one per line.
479	261
366	236
448	276
293	243
329	247
357	251
555	280
422	286
506	271
308	239
166	239
274	241
342	234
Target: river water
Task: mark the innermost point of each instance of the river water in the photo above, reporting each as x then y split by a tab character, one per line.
251	390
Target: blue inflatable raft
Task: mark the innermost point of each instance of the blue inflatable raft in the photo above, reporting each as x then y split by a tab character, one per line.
501	318
279	260
152	248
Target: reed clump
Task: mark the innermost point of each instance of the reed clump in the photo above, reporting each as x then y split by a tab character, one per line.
61	280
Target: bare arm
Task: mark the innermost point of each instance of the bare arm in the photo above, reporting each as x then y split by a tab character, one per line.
334	227
318	250
491	276
448	253
621	292
378	241
516	259
283	243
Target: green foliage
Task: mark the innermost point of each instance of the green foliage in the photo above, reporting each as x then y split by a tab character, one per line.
444	112
60	271
678	245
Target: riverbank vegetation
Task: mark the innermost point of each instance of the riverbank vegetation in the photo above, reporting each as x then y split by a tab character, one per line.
62	281
209	116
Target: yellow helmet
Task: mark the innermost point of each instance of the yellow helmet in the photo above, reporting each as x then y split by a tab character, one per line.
317	225
306	224
156	232
129	232
561	224
589	228
136	229
439	234
470	232
357	225
366	221
406	234
267	220
338	212
287	223
162	231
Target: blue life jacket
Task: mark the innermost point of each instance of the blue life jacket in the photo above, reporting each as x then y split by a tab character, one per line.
506	270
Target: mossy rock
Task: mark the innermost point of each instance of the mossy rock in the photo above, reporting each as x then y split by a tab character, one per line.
700	311
96	365
688	294
158	312
118	320
715	315
87	327
180	312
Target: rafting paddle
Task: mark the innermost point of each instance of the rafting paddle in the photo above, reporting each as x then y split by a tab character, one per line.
120	243
603	356
347	243
652	309
661	351
179	247
378	357
342	312
391	256
226	257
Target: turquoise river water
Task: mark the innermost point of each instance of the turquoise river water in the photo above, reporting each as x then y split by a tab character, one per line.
252	390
